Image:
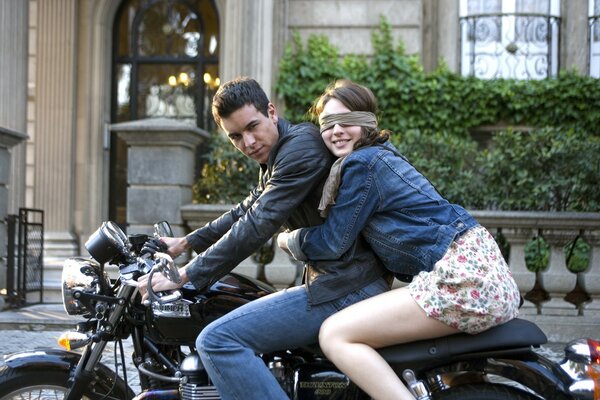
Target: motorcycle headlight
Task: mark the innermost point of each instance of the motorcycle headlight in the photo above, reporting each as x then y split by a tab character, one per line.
84	275
107	242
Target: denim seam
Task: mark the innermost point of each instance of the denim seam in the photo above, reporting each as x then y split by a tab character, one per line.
363	199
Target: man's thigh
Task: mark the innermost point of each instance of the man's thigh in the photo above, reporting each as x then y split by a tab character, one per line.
278	321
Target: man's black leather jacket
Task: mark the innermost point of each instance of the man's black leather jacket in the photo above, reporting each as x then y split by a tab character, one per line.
287	195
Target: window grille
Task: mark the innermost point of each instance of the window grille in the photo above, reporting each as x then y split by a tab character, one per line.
510	38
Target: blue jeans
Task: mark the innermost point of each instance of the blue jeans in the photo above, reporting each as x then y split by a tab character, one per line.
229	346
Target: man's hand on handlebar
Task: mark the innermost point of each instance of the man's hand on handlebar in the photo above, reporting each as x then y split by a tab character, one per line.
160	283
176	246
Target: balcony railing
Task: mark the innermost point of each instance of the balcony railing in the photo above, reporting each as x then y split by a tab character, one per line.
520	46
565	304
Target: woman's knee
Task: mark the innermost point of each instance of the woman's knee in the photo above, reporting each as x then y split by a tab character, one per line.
329	335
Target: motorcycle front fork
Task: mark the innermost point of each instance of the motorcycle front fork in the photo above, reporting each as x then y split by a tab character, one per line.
84	374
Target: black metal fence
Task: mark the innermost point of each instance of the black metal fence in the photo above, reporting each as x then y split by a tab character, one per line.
510	45
25	257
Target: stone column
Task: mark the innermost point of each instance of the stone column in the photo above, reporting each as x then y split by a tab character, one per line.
557	280
447	33
248	41
13	116
574	43
13	92
160	171
8	139
54	123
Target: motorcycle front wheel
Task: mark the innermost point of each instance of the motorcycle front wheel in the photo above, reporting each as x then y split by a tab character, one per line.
483	392
28	384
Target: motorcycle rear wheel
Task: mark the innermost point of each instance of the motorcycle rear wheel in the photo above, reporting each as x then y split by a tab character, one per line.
483	392
20	384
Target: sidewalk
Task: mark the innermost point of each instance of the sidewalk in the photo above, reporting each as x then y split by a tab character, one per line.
38	317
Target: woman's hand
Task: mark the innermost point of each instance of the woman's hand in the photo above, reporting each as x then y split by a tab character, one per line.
282	242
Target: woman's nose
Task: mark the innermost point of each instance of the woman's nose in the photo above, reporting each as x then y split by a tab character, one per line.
337	129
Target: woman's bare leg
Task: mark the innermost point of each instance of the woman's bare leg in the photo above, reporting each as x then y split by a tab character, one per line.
349	338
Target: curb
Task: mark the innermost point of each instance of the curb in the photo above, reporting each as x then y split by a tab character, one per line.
39	317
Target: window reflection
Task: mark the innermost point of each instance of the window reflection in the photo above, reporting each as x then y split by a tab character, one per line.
169	29
165	92
123	87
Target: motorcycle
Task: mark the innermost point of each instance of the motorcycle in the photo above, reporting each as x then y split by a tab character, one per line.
498	364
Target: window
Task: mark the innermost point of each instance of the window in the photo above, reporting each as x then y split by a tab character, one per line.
594	35
165	64
509	38
165	60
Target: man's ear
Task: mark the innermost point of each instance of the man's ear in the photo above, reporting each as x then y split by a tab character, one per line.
272	112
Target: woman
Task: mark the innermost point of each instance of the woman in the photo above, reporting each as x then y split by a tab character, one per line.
460	281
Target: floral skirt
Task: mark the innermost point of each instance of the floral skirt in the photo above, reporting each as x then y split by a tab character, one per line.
471	288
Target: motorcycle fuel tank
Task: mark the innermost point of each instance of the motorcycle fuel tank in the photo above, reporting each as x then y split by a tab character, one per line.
180	322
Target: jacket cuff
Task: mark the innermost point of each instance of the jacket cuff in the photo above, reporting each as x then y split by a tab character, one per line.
193	240
194	274
294	245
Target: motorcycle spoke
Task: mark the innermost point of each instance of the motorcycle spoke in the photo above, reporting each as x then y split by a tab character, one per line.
32	393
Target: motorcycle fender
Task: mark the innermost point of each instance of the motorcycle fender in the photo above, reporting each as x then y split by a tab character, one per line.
43	359
536	373
56	359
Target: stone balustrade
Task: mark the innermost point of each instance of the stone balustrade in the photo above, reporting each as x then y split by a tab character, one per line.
564	304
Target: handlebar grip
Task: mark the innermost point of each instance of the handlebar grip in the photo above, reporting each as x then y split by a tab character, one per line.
176	295
169	298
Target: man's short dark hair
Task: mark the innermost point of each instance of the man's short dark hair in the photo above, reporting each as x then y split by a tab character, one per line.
237	93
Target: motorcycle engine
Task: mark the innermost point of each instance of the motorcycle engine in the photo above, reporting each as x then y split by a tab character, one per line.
194	383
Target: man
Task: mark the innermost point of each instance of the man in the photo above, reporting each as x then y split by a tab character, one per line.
294	163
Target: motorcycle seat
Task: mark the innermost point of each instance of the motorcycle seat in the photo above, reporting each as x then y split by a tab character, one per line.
514	334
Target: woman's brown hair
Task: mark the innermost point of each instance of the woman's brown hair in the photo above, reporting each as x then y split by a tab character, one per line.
356	98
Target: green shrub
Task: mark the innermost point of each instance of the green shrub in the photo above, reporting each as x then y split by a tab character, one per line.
227	175
546	170
537	254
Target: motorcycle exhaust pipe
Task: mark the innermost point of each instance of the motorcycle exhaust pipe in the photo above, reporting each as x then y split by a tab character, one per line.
165	394
143	369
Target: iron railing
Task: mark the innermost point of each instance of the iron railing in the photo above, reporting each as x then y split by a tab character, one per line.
25	261
514	45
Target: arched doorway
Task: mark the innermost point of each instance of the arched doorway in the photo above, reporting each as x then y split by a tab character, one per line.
165	64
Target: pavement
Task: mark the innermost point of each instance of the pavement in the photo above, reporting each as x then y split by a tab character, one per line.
37	318
40	326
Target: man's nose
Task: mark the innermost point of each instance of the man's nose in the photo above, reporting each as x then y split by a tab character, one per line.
249	140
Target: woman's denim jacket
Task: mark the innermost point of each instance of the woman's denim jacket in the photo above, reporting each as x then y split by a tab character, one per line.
396	209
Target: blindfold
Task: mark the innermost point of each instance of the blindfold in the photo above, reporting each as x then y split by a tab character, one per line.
352	118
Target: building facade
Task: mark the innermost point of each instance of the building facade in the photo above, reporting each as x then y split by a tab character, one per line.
74	68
